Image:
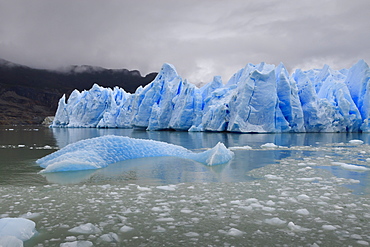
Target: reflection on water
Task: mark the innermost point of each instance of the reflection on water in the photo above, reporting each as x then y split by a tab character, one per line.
150	170
154	170
198	140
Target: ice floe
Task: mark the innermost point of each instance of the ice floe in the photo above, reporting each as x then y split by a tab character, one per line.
15	230
101	151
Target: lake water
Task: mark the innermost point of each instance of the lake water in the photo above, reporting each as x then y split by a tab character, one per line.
308	189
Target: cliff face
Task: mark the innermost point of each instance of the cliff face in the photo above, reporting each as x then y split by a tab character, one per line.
29	95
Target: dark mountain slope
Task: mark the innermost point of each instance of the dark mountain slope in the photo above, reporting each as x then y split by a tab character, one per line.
28	95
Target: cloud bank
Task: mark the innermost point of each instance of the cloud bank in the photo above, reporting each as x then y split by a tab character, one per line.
201	38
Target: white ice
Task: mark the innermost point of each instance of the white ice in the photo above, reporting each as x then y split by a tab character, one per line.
87	228
15	230
77	244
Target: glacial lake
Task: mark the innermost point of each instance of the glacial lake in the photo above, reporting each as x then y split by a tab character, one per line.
307	189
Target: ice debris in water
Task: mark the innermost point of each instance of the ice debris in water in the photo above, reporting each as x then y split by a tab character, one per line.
290	203
257	98
101	151
264	212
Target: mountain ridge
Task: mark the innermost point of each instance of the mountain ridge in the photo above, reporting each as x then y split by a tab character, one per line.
28	95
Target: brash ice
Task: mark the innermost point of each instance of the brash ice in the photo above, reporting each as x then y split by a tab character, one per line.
258	98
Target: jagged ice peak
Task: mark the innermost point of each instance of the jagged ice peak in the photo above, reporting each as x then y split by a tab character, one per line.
261	98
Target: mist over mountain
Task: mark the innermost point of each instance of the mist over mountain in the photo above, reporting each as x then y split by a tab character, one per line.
28	95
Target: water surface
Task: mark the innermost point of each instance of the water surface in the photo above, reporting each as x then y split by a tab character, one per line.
296	193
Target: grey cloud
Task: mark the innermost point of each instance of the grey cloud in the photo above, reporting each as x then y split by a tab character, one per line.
201	38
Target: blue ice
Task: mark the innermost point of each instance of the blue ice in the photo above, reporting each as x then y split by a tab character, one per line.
257	99
101	151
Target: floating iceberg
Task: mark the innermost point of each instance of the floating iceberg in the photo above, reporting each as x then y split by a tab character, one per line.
101	151
258	98
13	231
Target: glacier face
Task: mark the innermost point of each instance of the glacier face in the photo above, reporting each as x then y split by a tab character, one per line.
258	98
99	152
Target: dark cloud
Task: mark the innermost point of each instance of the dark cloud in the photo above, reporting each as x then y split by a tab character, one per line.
201	38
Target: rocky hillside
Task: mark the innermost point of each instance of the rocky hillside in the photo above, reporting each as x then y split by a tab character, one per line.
28	95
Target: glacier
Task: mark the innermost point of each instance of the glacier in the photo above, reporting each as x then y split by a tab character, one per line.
260	98
99	152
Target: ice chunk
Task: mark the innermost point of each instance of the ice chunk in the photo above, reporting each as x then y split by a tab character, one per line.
302	211
87	228
10	241
240	148
186	211
356	236
101	151
273	177
303	197
275	221
354	167
191	234
30	215
350	167
235	232
165	219
20	228
109	237
219	154
356	141
295	227
77	244
170	187
126	229
269	145
329	227
362	242
143	188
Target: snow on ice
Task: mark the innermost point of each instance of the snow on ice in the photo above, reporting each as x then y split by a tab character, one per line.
101	151
258	98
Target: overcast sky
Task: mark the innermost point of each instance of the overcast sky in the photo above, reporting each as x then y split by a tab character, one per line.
200	38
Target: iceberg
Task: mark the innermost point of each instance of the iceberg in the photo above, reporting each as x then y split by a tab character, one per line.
260	98
13	231
99	152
